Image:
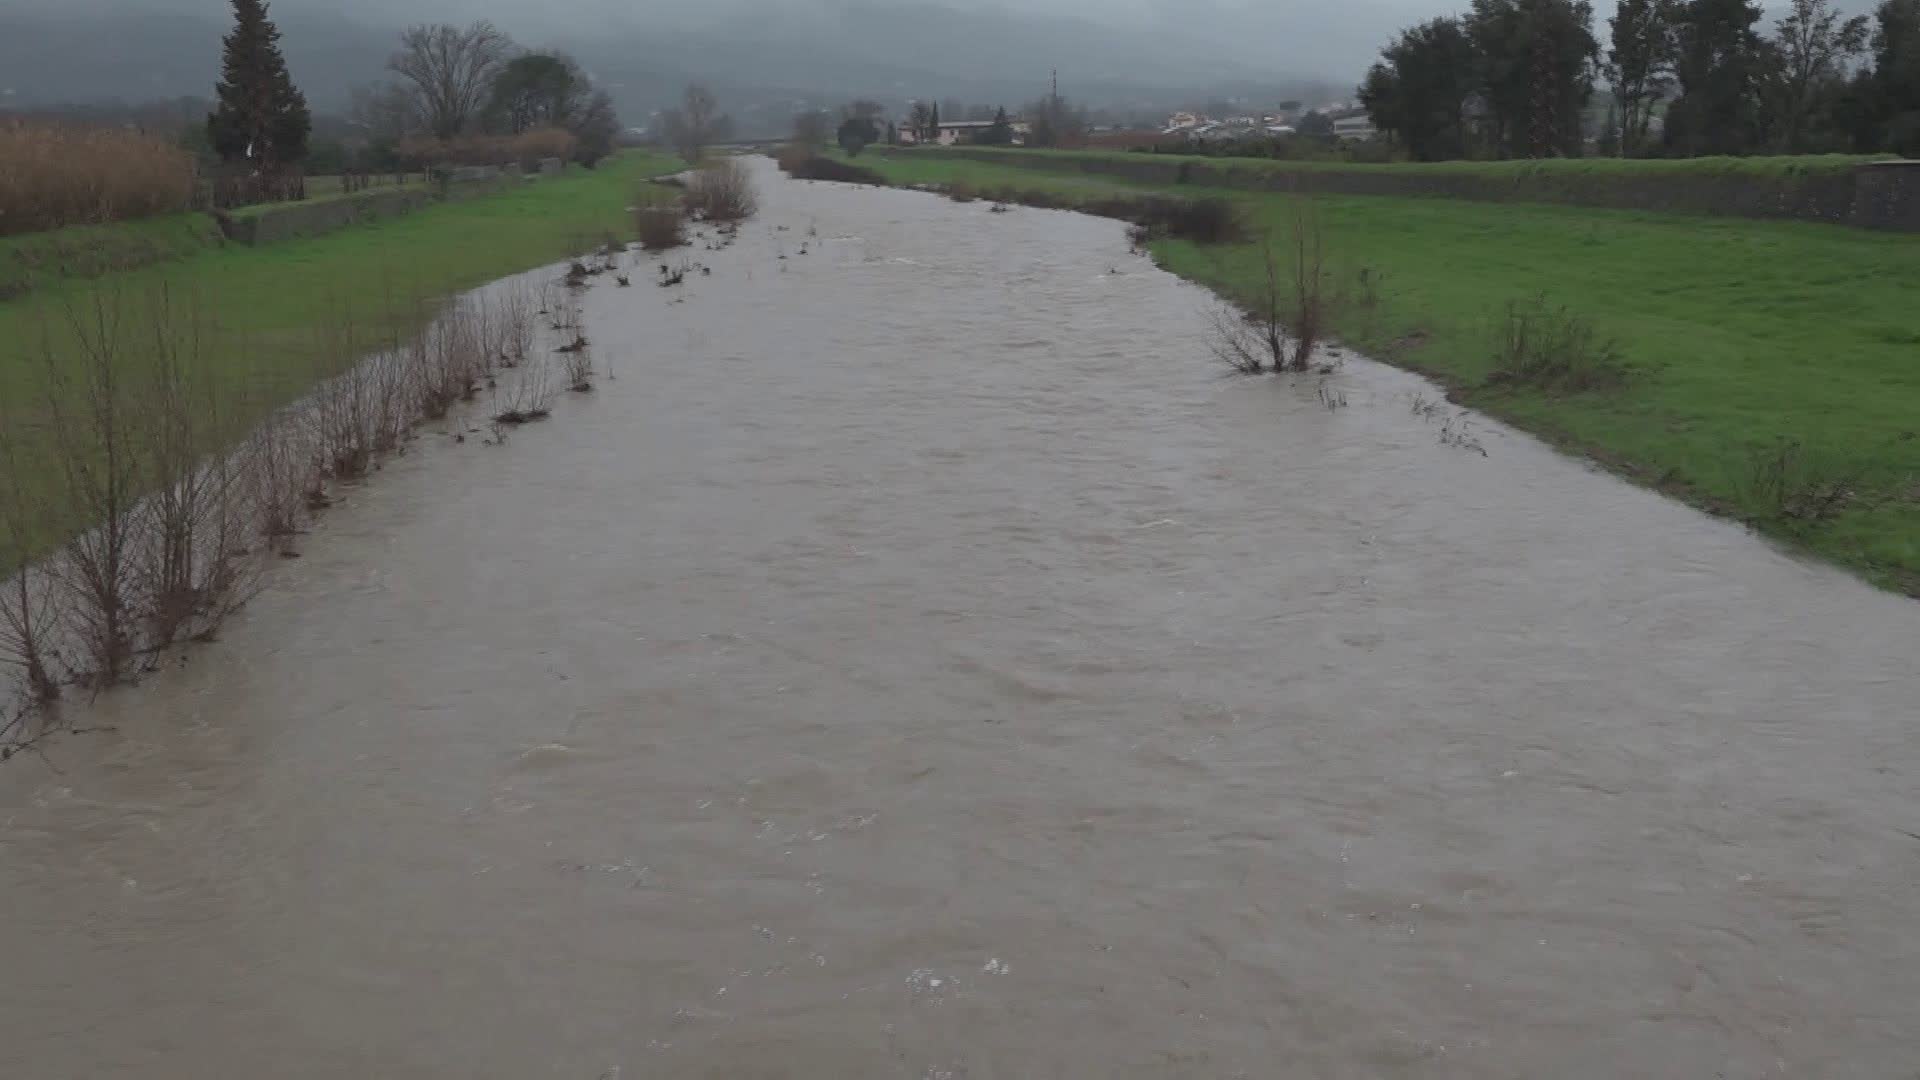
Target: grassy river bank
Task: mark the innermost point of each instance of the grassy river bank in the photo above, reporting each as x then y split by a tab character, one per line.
1773	367
267	322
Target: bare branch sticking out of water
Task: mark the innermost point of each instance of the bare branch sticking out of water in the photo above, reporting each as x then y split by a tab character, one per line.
1284	321
661	227
162	507
528	397
29	616
722	191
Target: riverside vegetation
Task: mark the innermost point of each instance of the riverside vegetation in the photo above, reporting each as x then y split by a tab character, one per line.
1761	370
163	431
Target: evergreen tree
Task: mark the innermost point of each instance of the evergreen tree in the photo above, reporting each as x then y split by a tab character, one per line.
1720	62
538	90
1536	62
1001	133
1418	91
1640	65
1893	90
261	118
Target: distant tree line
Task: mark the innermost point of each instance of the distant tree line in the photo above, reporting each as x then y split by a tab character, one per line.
467	85
1517	78
457	92
697	124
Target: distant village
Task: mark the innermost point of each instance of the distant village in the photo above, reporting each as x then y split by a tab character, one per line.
1343	121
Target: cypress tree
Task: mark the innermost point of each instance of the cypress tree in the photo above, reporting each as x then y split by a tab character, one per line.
261	119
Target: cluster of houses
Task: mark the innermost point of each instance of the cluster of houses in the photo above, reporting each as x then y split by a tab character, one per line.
960	132
1350	124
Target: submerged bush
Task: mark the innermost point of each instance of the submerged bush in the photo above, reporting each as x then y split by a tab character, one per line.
662	227
1281	325
824	168
722	191
1209	220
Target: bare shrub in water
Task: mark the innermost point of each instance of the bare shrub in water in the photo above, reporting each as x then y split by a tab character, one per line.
528	396
189	534
345	408
723	191
1283	323
1547	348
1311	310
824	168
454	356
1246	342
577	370
160	507
662	227
517	313
282	474
29	617
94	409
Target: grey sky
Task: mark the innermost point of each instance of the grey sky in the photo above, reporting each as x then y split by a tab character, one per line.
1306	38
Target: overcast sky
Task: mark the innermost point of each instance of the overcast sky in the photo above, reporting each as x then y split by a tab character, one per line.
1338	39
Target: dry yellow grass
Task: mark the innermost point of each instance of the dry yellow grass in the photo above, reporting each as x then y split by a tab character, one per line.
53	176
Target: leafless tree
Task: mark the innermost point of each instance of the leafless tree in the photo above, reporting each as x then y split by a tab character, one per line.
29	618
97	419
811	129
1282	325
283	474
696	124
722	190
451	72
517	310
188	488
385	111
1812	47
1311	308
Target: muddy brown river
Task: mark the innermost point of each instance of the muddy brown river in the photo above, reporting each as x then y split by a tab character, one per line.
921	662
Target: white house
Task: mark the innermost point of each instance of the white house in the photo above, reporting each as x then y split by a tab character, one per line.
1356	128
956	132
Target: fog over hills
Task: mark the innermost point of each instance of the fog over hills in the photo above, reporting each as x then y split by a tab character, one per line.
763	56
1144	52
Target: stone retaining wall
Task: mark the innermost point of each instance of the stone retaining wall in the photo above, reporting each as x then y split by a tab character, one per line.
287	221
273	224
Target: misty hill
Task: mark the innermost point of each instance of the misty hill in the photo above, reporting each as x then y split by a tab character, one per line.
759	57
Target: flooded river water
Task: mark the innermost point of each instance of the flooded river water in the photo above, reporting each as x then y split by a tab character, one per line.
920	662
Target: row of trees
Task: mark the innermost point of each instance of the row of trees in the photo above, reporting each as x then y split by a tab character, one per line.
1514	78
453	83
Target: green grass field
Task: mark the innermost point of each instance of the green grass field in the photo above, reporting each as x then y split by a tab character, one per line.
329	189
85	251
275	313
1739	334
1795	165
